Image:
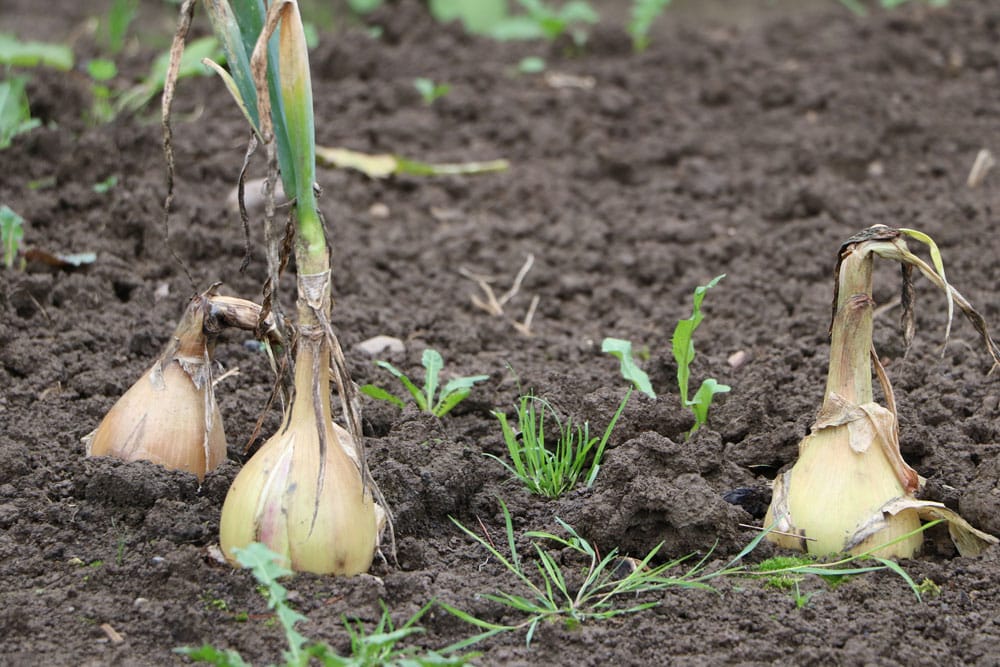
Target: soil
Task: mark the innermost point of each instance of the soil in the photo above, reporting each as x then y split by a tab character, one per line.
749	144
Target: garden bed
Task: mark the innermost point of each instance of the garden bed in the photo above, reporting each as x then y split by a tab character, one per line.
750	145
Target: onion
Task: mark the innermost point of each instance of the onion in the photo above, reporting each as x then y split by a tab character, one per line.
302	494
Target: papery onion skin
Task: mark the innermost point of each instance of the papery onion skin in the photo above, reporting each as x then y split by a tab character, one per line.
162	417
307	504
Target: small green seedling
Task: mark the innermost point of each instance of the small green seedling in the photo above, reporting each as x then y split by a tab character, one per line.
644	13
683	349
622	350
11	234
105	186
115	24
15	112
375	649
427	399
16	53
531	65
540	20
429	90
859	9
137	97
548	470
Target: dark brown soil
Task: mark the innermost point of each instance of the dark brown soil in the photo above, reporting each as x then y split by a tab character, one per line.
749	145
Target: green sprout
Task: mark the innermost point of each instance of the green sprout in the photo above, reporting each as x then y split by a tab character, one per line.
859	9
429	90
683	349
115	25
427	399
612	585
15	112
644	14
105	186
368	649
11	234
622	350
138	96
539	20
546	470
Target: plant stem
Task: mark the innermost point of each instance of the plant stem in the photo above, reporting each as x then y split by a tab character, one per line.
850	374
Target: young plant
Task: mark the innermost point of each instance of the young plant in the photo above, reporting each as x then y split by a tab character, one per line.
622	350
136	97
15	112
114	26
540	20
545	469
430	91
683	348
11	235
307	493
427	399
644	14
850	487
604	592
368	649
613	585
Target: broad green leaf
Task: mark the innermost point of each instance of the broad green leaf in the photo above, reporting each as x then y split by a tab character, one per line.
11	234
31	54
449	401
622	349
531	65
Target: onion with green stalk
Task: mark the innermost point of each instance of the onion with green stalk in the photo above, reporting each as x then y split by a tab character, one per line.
307	493
850	489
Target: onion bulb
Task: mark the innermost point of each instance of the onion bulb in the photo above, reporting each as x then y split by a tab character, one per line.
850	489
302	494
169	416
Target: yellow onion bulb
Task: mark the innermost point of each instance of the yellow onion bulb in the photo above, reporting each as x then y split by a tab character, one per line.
302	493
833	496
169	416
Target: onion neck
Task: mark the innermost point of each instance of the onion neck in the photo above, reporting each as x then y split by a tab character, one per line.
850	374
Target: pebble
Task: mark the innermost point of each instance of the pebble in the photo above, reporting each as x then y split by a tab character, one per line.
381	345
738	358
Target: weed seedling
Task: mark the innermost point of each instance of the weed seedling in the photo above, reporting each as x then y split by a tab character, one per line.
644	13
622	350
11	234
368	649
427	399
429	90
545	469
683	349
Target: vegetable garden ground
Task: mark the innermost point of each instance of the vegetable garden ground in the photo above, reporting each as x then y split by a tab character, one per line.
750	144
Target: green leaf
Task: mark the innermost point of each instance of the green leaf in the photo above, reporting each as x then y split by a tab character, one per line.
682	341
433	363
31	54
531	65
703	400
644	13
382	395
15	113
364	6
11	234
622	349
418	396
101	69
478	16
106	185
213	656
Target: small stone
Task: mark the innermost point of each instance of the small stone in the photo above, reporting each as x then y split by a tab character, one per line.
381	345
379	210
738	358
